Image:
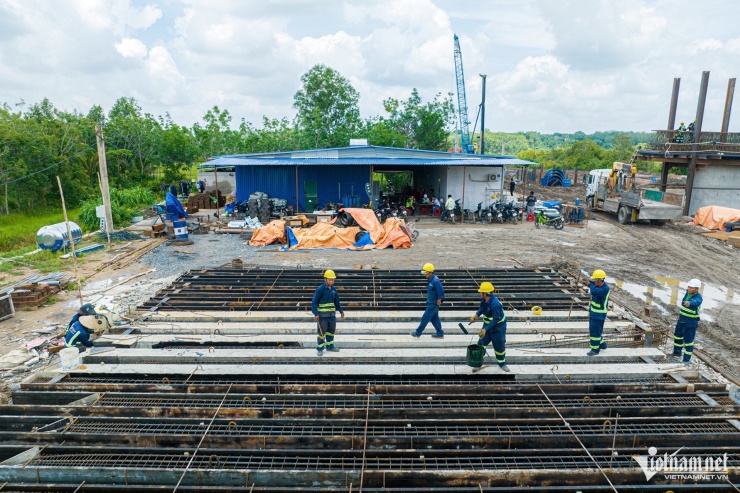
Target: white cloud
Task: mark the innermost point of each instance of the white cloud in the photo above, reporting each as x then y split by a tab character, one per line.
552	66
131	48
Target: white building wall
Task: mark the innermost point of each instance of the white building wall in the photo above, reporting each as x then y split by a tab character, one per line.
480	184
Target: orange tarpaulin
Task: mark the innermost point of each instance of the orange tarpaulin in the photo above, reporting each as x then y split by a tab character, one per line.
715	217
326	235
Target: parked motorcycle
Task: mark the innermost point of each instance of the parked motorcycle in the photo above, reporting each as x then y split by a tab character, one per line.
510	213
456	214
483	215
548	217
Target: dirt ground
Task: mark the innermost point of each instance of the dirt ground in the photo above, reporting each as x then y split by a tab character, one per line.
631	254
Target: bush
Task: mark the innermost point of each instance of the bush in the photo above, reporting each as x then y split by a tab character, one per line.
124	205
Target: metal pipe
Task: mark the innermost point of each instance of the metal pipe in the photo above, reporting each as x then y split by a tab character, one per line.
697	133
674	104
728	109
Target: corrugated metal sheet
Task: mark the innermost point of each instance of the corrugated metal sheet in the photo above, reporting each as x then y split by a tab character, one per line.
273	162
333	184
275	181
336	183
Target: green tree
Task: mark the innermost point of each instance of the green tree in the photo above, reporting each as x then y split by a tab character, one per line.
327	104
623	147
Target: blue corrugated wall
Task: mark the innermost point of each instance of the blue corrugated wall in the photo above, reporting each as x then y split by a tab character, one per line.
333	183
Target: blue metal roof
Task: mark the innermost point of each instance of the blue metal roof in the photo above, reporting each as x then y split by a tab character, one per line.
485	161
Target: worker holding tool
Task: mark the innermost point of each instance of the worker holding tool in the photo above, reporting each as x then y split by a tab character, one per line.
494	324
435	297
173	206
597	311
687	323
324	305
79	332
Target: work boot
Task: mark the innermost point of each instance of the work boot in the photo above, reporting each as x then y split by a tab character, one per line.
504	367
332	349
592	353
319	352
438	336
687	364
414	334
675	358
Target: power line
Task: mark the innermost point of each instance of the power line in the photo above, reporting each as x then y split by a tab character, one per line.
48	167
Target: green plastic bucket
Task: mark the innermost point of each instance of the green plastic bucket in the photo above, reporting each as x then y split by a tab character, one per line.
475	356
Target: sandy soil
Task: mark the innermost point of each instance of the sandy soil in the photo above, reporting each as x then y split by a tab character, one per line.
626	253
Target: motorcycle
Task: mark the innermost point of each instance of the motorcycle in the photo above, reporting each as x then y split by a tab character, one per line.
497	213
510	213
548	217
455	213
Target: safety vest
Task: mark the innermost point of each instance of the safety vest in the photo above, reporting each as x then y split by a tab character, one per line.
487	320
327	307
71	343
688	311
597	307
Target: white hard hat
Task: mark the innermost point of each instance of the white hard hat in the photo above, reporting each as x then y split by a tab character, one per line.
694	283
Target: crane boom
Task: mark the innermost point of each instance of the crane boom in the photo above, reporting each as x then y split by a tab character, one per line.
462	102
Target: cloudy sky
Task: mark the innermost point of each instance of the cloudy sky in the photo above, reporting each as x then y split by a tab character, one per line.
552	66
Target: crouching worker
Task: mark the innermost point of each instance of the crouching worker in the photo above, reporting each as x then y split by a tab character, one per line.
324	305
494	324
83	326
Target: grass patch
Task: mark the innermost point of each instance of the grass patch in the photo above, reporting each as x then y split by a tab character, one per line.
18	231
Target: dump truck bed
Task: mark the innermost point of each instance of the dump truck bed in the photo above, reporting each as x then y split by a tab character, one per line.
660	211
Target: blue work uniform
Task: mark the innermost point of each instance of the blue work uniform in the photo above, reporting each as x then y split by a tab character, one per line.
494	323
325	304
597	315
688	322
435	292
77	336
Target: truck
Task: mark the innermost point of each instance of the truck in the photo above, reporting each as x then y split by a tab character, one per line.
613	190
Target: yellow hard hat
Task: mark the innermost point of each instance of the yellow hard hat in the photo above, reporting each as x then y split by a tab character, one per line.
427	268
485	287
329	274
537	310
598	274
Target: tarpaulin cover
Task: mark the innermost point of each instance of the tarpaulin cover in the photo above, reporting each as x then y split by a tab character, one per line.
327	235
715	217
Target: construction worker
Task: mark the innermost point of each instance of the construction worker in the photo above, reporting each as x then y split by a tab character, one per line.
411	205
324	306
687	322
494	323
530	202
512	187
679	134
449	207
597	311
435	297
78	333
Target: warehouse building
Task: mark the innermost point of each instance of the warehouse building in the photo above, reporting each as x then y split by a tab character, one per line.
356	174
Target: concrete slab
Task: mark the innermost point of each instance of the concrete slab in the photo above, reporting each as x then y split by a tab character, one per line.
520	372
360	316
307	339
290	356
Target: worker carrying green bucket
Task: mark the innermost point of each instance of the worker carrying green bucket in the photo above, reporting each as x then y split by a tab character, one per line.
491	312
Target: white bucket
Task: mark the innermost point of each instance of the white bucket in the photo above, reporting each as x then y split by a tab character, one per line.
70	357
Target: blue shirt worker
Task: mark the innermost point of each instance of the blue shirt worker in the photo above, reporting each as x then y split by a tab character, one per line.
435	297
688	322
324	305
597	311
494	324
78	334
173	206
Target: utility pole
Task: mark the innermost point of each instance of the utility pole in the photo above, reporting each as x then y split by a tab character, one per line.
104	179
483	117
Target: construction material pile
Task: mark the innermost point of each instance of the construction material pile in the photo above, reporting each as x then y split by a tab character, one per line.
367	235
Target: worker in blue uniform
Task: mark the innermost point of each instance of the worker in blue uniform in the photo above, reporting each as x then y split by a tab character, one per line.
175	211
494	324
86	309
78	334
687	323
435	298
324	306
597	311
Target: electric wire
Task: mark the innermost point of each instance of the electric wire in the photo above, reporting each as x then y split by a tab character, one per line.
48	167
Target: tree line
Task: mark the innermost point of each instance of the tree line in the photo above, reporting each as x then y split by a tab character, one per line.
41	141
